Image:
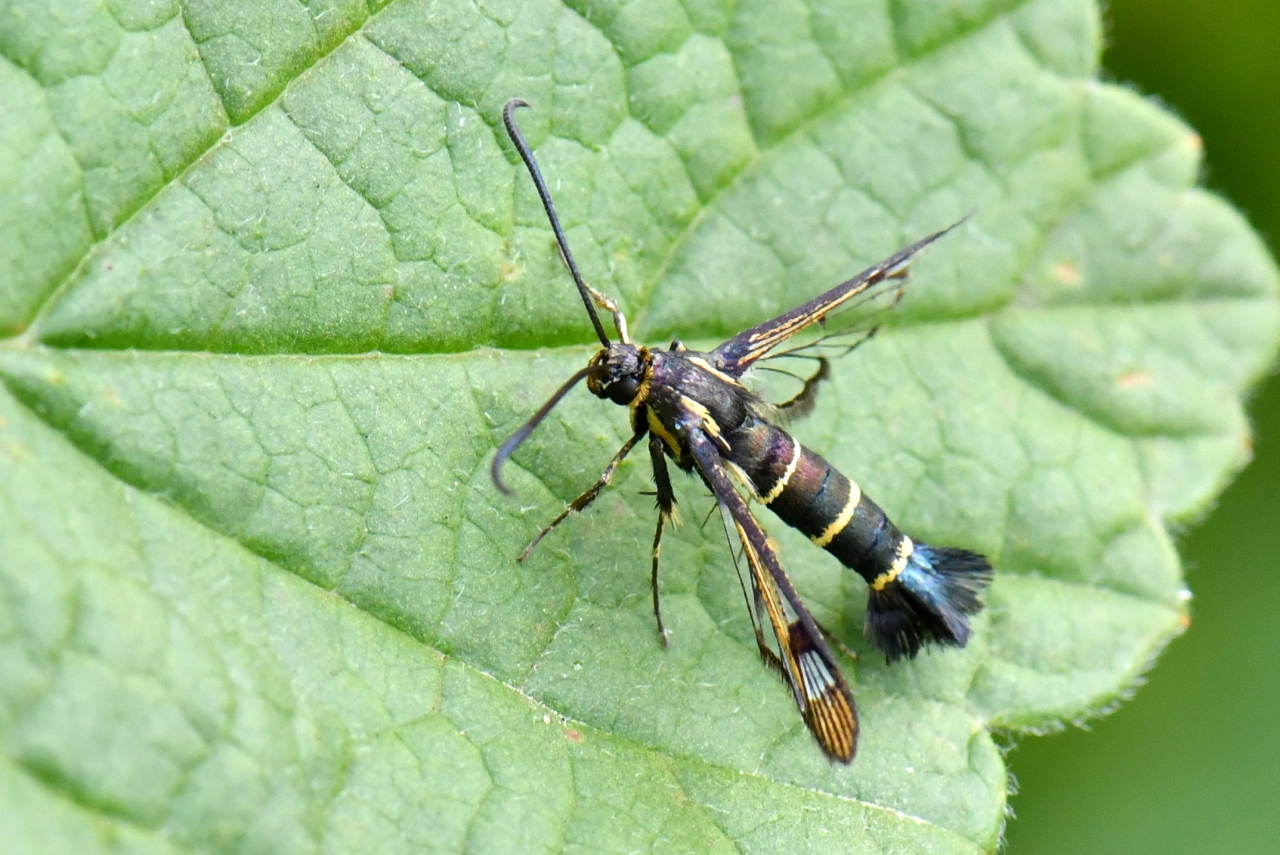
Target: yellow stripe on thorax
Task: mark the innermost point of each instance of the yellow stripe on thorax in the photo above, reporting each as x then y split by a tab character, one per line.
660	430
705	420
642	393
713	371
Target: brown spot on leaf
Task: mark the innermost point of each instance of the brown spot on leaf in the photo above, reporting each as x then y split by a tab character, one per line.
1067	273
1134	378
14	450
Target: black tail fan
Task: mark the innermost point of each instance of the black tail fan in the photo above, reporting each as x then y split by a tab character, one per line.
929	601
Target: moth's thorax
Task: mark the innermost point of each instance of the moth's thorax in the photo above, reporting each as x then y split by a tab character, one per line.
619	371
685	389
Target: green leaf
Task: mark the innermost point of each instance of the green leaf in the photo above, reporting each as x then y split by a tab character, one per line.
275	286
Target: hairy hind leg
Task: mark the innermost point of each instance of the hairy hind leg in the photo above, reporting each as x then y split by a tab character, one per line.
587	497
666	508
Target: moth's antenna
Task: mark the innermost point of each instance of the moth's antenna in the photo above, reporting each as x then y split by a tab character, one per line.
509	447
526	155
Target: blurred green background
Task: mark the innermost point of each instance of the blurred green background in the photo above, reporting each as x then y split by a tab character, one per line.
1192	763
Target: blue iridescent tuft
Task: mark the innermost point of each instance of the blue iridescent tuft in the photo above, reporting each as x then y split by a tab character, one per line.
929	601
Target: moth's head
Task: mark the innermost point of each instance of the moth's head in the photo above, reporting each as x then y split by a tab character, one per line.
617	372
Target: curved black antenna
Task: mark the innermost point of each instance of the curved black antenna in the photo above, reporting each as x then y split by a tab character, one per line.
513	442
526	155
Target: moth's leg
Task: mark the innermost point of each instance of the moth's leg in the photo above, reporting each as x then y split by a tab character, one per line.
608	304
666	508
756	609
707	518
601	300
834	641
802	404
588	496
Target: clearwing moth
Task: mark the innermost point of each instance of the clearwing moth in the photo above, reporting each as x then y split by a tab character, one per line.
694	410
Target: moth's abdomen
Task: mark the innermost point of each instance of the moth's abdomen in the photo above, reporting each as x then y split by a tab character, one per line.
811	495
918	593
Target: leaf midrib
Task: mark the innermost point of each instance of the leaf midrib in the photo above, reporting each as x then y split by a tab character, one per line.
32	332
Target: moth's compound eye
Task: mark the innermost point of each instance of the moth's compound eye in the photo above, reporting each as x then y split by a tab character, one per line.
622	390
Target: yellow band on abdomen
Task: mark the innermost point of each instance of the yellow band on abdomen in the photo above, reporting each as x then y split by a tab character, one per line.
829	533
905	549
786	476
